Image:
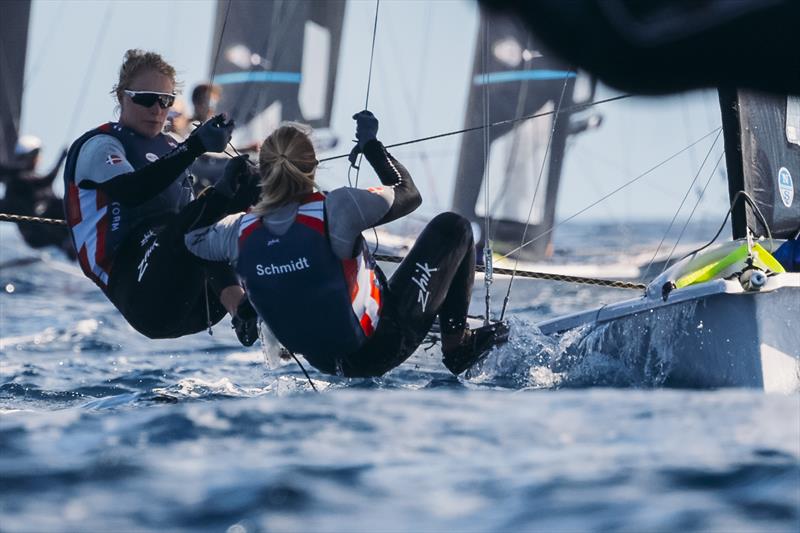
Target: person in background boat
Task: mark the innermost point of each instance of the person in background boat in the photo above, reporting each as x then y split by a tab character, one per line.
205	98
208	167
310	276
31	194
177	121
128	202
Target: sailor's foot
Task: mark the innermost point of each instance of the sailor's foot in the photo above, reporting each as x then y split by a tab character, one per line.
475	346
245	323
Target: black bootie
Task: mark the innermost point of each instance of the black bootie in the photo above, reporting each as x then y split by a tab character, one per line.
475	346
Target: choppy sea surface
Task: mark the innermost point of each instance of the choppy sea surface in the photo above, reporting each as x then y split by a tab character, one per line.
102	429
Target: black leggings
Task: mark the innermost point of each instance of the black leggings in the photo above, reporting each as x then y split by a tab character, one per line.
435	278
160	288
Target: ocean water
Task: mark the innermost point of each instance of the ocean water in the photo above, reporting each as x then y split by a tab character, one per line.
102	429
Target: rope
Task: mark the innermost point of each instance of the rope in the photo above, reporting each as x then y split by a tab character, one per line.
612	193
372	51
689	219
87	76
581	280
535	191
570	109
749	200
683	201
488	271
6	217
219	44
397	259
369	83
296	360
45	50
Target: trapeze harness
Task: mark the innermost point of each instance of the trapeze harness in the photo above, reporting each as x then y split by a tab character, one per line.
98	224
315	303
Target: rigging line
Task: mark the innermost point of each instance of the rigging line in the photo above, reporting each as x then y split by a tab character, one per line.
296	360
536	190
413	101
87	78
219	43
372	52
8	217
737	196
487	228
696	205
281	17
612	193
522	101
570	109
19	218
45	49
369	79
685	196
617	284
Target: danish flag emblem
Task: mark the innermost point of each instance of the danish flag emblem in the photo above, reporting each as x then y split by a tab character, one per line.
113	159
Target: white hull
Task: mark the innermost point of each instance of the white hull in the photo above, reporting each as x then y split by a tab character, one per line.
712	334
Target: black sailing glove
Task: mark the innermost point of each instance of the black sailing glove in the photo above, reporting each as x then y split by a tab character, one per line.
232	176
366	130
213	135
249	190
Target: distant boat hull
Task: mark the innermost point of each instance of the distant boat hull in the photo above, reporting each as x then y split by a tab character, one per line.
709	335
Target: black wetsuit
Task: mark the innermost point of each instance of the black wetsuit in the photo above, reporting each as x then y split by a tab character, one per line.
435	278
145	198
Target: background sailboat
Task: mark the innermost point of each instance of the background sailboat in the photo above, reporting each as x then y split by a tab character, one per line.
516	183
277	61
13	48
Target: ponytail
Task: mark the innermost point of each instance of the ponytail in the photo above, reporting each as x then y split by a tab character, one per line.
287	164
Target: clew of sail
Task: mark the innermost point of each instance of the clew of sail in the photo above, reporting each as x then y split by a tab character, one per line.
277	61
524	161
13	45
762	151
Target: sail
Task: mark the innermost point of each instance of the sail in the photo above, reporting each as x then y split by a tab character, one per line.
660	46
13	45
762	151
277	61
520	79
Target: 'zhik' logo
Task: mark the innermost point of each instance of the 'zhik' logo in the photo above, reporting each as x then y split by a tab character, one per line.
422	281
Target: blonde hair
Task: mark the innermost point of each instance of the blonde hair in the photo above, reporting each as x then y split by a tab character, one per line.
287	164
138	61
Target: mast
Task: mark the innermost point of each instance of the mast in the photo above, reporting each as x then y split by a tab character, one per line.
762	152
277	61
13	46
522	79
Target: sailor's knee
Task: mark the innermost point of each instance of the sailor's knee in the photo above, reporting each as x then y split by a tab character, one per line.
453	222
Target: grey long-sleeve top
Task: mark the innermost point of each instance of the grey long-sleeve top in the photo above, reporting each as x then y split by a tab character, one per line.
348	212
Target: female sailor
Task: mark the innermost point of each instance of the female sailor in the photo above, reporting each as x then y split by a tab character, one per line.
310	276
128	201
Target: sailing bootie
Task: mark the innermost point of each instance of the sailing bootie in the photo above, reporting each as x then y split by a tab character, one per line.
475	346
245	323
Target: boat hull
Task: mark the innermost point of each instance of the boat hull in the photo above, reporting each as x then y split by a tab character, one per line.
711	335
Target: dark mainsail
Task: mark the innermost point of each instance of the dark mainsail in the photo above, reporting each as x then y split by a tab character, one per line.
521	79
13	44
661	46
277	61
762	151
